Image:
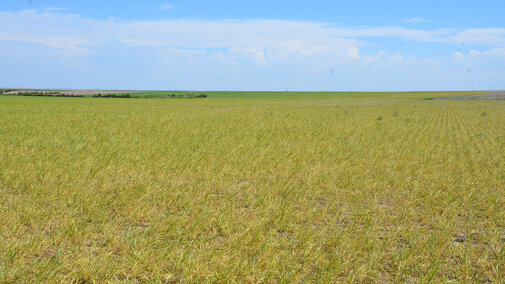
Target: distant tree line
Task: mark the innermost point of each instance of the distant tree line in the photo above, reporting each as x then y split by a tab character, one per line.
9	92
122	96
39	94
188	95
2	91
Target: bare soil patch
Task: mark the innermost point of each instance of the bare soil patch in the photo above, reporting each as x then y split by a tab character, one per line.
490	96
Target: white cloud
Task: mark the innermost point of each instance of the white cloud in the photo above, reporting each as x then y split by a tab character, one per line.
397	56
495	51
415	20
166	6
474	52
352	52
488	36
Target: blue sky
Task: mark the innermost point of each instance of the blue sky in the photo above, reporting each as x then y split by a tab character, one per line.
253	45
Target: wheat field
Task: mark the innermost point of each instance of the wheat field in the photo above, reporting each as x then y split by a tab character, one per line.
374	189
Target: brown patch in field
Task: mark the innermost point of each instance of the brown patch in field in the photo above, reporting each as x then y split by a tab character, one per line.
144	224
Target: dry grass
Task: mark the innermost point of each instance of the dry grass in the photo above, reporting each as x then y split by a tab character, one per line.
251	190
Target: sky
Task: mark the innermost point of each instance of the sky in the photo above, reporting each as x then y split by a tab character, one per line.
318	45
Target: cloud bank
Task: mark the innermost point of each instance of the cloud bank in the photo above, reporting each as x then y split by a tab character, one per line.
242	54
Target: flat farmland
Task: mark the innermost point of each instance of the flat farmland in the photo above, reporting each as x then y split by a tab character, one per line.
374	188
